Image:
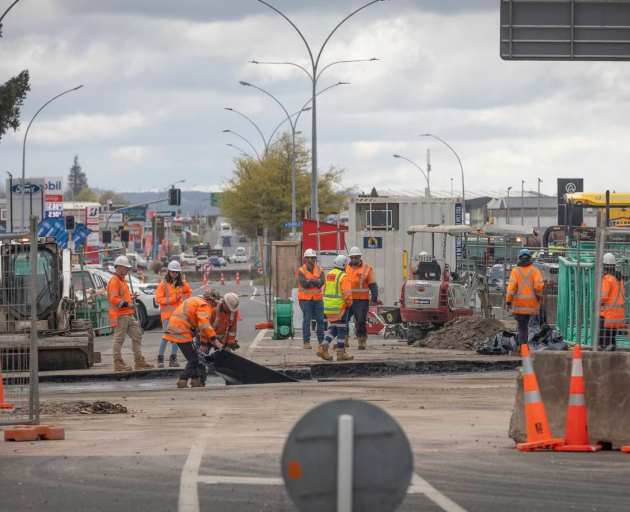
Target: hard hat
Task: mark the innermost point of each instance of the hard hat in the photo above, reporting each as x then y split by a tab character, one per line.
231	300
310	253
340	261
609	259
122	261
174	266
354	251
524	252
212	294
423	253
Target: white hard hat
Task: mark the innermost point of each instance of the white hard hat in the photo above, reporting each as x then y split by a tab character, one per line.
310	253
340	261
423	253
122	261
174	266
231	300
609	259
354	251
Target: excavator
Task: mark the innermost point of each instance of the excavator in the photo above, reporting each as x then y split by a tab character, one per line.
64	342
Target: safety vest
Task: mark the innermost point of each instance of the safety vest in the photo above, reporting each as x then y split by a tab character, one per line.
525	288
168	297
118	293
309	293
360	277
224	324
193	317
337	294
613	309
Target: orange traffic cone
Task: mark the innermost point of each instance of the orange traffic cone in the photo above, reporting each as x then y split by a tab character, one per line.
238	279
3	404
205	279
577	429
222	279
238	315
625	449
538	432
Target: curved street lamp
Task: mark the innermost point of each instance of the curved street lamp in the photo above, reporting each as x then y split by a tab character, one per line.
243	152
240	136
24	143
255	126
426	176
314	76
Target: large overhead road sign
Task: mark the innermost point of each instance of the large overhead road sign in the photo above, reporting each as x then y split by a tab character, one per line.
586	30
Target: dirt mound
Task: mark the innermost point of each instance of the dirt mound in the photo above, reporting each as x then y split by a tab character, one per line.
77	407
463	333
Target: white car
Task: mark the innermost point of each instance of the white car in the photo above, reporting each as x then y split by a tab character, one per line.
201	261
239	258
187	259
223	261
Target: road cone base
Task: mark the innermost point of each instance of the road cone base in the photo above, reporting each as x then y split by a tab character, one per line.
577	448
625	449
539	445
6	406
34	433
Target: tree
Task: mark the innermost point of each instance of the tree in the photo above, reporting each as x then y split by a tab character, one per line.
77	179
116	198
374	192
87	194
259	192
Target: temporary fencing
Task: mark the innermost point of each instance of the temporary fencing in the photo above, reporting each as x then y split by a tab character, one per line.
23	278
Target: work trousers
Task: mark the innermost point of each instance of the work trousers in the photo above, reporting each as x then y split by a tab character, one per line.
127	325
359	310
339	329
312	309
607	335
523	327
163	343
192	361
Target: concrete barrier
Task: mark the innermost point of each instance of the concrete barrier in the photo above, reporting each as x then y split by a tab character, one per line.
607	381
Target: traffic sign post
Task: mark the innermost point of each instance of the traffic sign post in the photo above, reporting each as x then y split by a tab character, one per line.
207	267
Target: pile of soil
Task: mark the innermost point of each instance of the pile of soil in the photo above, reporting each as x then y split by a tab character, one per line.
463	333
77	407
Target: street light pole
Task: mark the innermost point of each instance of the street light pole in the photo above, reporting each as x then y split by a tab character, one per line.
508	205
426	176
314	75
522	202
24	146
255	126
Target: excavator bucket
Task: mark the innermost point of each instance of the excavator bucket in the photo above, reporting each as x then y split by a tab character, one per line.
238	370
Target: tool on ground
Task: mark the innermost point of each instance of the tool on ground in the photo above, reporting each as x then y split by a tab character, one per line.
538	432
283	319
576	436
3	404
264	325
238	370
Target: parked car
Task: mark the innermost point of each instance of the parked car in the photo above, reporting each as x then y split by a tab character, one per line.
238	258
200	261
242	239
222	261
187	259
216	262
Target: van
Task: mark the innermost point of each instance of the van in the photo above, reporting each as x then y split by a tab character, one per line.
240	251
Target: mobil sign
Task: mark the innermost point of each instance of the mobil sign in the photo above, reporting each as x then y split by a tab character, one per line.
53	186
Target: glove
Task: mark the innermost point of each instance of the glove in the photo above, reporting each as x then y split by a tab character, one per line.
227	348
313	283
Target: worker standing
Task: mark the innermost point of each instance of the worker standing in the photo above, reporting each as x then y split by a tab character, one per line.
192	318
524	293
612	314
363	286
122	318
310	296
337	303
170	293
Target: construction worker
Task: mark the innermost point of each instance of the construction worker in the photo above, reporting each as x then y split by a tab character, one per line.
170	293
611	317
122	318
337	303
524	293
192	318
363	286
310	296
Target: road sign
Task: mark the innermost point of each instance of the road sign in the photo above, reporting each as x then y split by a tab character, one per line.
377	457
207	267
167	214
215	199
589	30
297	224
372	242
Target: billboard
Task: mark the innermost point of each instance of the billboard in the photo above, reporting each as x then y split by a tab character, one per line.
31	196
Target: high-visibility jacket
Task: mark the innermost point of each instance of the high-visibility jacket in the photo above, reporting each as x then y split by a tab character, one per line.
119	299
169	297
361	278
613	306
306	291
193	317
525	289
224	324
337	294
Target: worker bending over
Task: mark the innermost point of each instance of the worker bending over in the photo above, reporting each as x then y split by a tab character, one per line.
310	296
611	317
363	286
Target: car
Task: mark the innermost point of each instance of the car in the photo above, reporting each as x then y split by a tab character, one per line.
238	258
240	251
242	239
223	262
200	261
187	259
216	262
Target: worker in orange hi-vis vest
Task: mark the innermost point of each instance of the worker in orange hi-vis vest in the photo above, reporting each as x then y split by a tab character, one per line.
122	317
311	278
612	316
524	293
364	293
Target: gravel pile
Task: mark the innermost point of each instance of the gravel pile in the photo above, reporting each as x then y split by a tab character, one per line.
463	333
81	407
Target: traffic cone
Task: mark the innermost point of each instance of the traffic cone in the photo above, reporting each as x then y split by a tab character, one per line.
3	404
205	279
238	315
625	449
222	279
538	432
577	429
238	279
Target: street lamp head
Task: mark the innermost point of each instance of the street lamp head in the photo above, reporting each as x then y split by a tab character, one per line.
343	83
228	108
227	131
77	88
254	62
397	156
307	109
245	84
373	59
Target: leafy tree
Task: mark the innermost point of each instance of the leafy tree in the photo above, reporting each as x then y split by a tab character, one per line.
115	197
87	194
77	180
259	192
374	192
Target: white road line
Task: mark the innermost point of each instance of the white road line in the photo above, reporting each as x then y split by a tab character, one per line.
239	480
188	495
421	486
254	293
251	282
254	344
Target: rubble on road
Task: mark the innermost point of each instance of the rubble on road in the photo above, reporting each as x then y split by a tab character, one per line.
463	333
81	407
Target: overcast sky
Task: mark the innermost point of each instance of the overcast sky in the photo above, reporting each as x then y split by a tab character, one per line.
158	74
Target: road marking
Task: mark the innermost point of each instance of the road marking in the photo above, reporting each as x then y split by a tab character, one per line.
238	480
254	344
188	494
251	282
254	293
421	486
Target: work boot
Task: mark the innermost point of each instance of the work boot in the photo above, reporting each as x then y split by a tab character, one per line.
121	366
195	383
182	383
141	364
347	342
160	362
172	363
307	345
342	355
362	343
322	351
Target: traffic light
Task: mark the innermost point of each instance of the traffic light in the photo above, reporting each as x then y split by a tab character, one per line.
124	235
107	236
69	219
174	197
